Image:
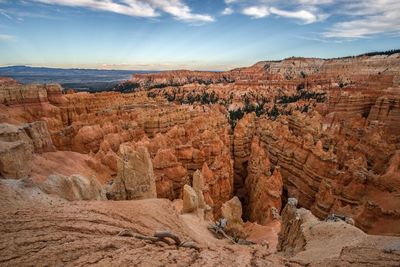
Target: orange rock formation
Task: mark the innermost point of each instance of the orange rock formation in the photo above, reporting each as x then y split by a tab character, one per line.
323	131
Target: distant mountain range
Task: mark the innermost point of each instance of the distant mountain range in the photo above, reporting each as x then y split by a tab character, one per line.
79	79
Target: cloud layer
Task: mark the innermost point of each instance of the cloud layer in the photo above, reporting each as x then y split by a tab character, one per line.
351	19
367	18
348	19
138	8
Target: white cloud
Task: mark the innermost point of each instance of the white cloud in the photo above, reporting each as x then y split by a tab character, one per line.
354	18
365	18
365	27
7	38
263	11
304	10
315	2
256	12
304	15
126	7
138	8
231	1
4	13
179	10
227	11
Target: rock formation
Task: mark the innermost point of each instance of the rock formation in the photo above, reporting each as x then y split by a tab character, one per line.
38	132
58	227
329	125
304	237
193	198
264	188
135	179
198	185
190	200
243	135
75	187
16	152
322	131
232	212
183	77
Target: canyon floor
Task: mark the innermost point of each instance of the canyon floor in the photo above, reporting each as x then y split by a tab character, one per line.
294	162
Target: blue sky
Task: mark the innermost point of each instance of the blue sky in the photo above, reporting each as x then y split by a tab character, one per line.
190	34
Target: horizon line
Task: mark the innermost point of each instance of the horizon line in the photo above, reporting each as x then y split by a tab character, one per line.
386	52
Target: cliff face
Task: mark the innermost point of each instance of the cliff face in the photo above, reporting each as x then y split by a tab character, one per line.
263	186
199	144
242	138
182	77
341	170
386	110
376	72
180	140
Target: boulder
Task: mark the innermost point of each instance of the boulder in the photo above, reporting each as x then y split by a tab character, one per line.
190	200
74	187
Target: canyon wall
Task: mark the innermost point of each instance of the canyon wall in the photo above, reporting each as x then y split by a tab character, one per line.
350	168
179	140
364	73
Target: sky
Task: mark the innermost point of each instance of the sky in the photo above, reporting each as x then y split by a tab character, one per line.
190	34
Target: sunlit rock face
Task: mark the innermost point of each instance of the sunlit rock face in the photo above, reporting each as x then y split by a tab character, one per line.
135	178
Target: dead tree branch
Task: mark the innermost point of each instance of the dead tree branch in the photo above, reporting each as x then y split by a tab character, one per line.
168	234
218	229
161	236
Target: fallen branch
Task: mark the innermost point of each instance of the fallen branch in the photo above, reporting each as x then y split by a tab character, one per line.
161	236
152	239
218	230
189	244
126	232
165	234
